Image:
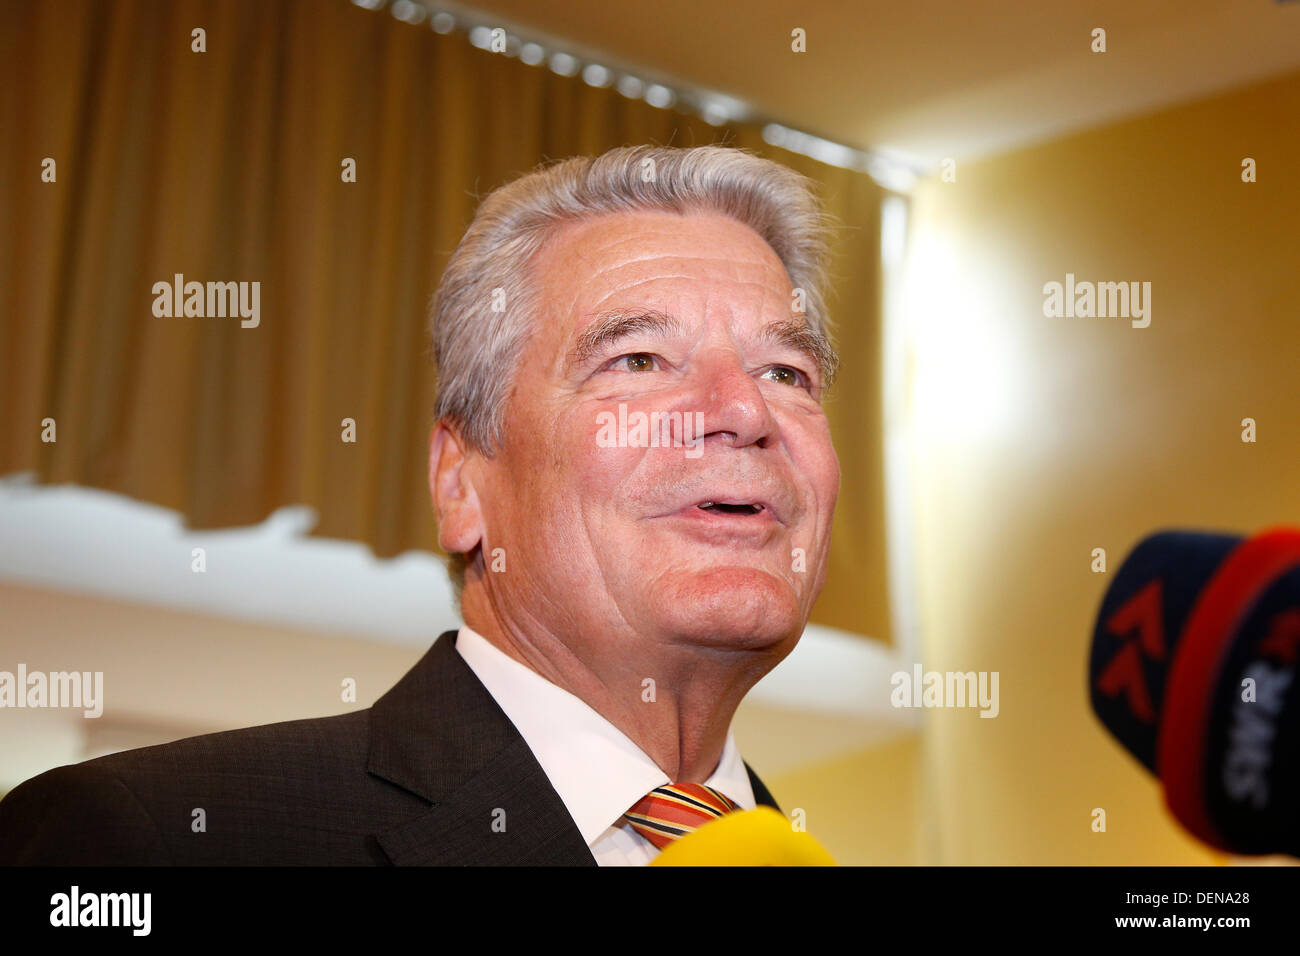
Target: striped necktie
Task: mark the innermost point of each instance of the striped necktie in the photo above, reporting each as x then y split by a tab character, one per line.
670	812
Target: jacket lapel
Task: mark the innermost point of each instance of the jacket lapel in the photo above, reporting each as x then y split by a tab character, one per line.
761	794
439	734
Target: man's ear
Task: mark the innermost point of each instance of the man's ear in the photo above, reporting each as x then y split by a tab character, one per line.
455	499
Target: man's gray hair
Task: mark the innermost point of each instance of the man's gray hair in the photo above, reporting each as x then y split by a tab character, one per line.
482	314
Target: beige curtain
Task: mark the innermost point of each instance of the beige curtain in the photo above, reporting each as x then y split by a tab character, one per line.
225	166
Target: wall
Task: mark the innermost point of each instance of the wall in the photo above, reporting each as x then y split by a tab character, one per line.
1038	439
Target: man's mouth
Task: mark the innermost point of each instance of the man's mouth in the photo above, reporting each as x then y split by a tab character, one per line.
730	508
734	519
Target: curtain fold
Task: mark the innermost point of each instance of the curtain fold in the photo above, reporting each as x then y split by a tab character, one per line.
224	166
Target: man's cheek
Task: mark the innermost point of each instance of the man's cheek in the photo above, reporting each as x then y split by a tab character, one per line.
606	467
834	488
827	467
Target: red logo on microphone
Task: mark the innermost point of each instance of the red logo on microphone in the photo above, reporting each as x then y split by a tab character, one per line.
1143	614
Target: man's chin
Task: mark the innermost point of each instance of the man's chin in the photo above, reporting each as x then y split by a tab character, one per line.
736	607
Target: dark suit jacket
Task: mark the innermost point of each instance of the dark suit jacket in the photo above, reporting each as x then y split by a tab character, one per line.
415	779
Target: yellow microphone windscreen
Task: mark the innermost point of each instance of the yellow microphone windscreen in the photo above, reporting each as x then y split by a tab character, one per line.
758	837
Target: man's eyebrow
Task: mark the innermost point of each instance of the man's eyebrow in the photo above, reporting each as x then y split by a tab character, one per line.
803	338
609	327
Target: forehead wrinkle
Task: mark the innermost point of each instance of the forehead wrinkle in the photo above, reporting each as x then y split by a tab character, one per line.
755	279
734	264
767	264
648	279
753	246
756	253
586	249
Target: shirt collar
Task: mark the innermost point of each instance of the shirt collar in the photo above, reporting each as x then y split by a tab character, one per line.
569	739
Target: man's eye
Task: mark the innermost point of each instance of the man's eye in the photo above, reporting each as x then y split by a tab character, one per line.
637	362
786	375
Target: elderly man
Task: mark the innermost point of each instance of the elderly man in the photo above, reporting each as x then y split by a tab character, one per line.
634	478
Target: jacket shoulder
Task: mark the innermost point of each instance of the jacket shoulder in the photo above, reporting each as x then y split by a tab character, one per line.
290	792
77	815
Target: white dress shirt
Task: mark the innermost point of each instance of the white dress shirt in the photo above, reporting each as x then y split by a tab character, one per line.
598	772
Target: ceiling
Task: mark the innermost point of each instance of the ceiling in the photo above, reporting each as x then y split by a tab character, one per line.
926	79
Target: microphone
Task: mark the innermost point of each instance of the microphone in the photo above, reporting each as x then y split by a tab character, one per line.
758	837
1193	670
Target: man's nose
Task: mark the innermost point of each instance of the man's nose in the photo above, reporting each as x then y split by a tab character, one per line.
735	411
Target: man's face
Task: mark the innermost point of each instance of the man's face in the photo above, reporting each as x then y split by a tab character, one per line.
653	313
